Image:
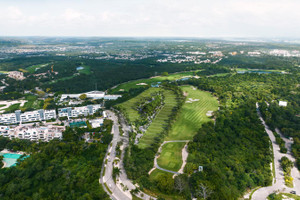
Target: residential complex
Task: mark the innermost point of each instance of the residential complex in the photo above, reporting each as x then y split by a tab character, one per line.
78	111
31	116
42	115
33	133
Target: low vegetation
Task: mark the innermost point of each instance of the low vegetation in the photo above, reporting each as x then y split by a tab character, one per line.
287	166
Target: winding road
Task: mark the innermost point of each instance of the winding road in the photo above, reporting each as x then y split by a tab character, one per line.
121	189
279	185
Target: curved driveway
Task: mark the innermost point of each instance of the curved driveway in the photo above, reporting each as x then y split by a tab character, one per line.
279	185
117	190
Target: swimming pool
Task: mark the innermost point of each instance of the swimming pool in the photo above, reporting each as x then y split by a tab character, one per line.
77	124
11	158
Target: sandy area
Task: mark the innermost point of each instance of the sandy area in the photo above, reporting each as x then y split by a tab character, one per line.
209	113
142	84
191	100
184	158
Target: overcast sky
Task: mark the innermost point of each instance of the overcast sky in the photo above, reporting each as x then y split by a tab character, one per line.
184	18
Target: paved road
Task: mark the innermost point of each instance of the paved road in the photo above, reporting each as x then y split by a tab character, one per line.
279	185
117	190
117	193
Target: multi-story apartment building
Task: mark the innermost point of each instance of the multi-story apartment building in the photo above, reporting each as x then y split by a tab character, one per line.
33	133
37	115
78	111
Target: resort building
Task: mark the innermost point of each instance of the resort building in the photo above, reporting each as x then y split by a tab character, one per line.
91	95
33	133
31	116
16	75
78	111
283	103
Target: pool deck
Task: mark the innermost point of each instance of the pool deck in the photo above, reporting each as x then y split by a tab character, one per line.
4	164
7	151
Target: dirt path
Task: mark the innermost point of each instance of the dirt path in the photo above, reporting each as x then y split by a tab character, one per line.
184	158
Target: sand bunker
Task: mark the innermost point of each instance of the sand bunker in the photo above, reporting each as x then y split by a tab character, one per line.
209	113
142	84
191	100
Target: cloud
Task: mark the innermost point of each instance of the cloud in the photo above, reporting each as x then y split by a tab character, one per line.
151	18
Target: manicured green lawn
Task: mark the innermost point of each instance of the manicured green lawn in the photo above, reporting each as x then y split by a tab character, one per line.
160	122
129	107
133	84
86	70
32	68
193	114
171	156
33	102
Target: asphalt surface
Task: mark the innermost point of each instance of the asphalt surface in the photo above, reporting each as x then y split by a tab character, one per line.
118	191
278	184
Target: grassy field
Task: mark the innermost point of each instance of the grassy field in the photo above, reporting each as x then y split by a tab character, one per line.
265	70
169	157
33	103
33	68
129	107
86	70
160	122
133	84
192	115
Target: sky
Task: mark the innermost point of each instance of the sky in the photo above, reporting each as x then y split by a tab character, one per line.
151	18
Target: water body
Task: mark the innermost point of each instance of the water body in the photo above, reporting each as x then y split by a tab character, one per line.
183	79
155	84
259	72
11	158
77	124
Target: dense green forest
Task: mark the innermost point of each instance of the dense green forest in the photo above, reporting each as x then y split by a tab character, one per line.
286	119
103	73
67	169
235	151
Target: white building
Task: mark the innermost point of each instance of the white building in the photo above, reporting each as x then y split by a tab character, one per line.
78	111
16	75
31	116
91	95
283	103
29	132
96	122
